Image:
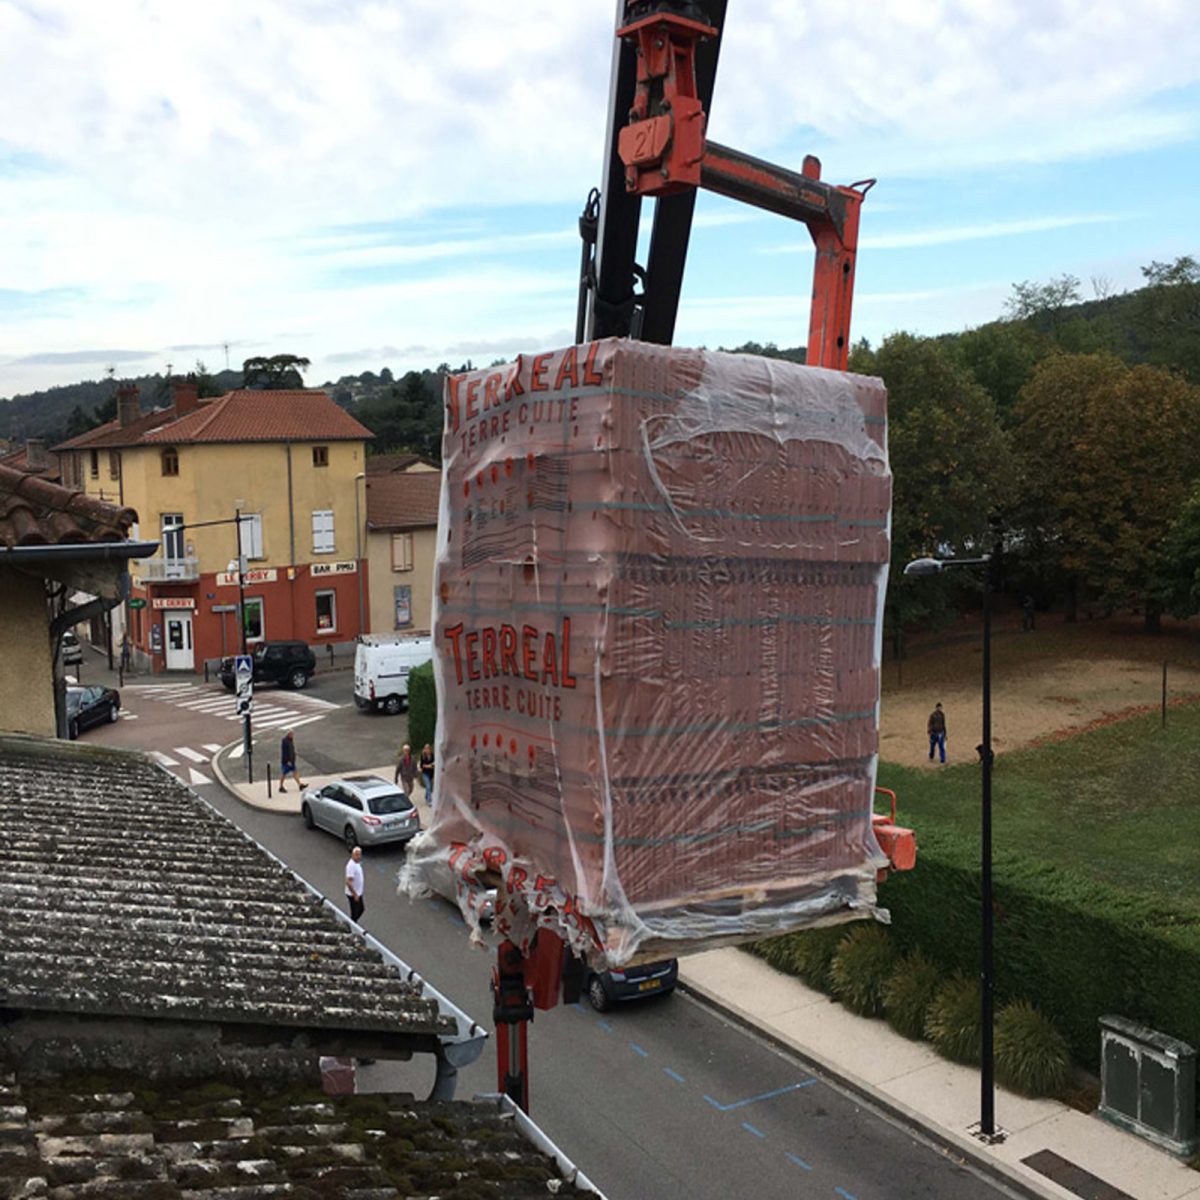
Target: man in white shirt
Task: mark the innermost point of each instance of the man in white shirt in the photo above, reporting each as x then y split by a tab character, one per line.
354	884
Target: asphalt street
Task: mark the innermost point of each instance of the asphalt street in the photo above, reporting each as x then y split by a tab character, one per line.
662	1098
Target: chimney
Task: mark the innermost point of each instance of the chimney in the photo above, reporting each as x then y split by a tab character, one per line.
129	406
35	454
185	395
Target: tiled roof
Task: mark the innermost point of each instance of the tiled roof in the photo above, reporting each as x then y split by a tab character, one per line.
383	464
122	894
112	434
18	460
248	416
36	512
405	500
114	1137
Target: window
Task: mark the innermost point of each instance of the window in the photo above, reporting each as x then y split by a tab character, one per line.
320	456
95	464
402	596
170	461
252	619
114	464
326	612
252	535
402	551
323	531
172	535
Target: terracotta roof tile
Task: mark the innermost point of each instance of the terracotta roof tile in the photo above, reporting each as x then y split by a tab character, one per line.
19	461
36	512
405	500
247	416
383	464
112	434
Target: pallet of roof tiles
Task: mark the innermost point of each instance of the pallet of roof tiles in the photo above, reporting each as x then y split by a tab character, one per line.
659	589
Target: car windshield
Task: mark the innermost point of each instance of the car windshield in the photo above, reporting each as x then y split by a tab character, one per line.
74	699
389	803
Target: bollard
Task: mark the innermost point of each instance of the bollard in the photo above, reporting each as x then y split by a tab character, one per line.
268	781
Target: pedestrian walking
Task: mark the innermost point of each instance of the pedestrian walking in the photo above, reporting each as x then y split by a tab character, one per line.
1027	613
287	761
406	769
937	732
427	769
354	884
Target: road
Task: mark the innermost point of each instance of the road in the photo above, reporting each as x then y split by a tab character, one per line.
663	1099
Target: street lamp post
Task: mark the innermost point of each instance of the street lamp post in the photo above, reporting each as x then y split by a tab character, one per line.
987	1131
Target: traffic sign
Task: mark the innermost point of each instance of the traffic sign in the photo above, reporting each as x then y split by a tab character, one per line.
137	602
243	667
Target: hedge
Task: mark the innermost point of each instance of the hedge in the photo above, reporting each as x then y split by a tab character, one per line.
422	707
1075	946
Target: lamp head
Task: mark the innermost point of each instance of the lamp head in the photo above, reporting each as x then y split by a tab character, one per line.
924	566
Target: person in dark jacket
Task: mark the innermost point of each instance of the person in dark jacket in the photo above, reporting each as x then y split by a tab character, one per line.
287	761
937	732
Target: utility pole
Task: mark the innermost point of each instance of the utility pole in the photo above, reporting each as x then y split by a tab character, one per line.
246	703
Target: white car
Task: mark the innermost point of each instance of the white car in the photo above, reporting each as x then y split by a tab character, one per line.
363	810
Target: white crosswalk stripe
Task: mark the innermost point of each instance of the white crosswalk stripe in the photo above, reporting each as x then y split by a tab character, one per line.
163	760
197	698
195	776
212	747
194	755
237	751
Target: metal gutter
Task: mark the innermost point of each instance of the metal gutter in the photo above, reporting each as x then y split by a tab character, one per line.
76	551
571	1173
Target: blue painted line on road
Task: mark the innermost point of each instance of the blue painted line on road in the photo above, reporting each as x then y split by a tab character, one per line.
578	1007
675	1075
791	1087
844	1194
758	1133
604	1025
798	1161
638	1050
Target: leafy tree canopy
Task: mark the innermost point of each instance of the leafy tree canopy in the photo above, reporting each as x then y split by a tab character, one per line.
276	373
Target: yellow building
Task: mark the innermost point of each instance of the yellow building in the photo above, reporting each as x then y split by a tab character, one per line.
402	517
283	470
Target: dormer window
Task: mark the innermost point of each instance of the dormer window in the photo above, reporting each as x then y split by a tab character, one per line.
170	461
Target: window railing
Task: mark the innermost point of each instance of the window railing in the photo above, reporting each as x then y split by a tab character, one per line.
158	569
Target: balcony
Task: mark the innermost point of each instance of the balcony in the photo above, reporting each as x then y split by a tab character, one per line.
169	570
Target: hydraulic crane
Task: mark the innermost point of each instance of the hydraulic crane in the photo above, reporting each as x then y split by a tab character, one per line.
664	66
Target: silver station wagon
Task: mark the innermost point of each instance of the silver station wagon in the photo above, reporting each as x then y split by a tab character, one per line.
363	810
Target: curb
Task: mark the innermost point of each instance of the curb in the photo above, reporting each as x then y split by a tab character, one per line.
223	779
946	1140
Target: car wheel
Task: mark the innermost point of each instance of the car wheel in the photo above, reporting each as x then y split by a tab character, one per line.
112	714
227	686
73	729
597	996
391	705
297	679
306	813
348	836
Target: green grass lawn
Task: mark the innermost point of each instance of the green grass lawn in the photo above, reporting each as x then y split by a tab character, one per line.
1120	804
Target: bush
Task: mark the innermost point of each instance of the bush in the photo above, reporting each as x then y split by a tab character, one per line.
952	1022
806	953
908	993
860	968
1031	1055
422	708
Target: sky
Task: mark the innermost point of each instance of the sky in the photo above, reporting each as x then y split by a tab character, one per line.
397	183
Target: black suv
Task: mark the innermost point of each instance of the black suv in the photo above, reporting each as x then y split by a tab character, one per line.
289	664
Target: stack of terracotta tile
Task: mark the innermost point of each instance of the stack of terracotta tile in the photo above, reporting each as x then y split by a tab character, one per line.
660	586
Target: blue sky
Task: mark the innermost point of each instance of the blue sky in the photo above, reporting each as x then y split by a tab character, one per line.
373	183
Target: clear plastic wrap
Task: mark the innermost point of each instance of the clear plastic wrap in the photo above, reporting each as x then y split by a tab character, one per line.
658	621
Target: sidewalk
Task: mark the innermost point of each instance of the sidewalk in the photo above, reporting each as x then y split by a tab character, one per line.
1051	1151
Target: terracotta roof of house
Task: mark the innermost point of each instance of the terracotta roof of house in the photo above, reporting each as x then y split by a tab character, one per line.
113	1136
249	416
36	512
383	464
405	500
18	460
112	434
124	895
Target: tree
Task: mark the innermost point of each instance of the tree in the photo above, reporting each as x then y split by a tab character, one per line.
279	372
1167	315
1106	465
1001	356
950	462
1036	301
1177	580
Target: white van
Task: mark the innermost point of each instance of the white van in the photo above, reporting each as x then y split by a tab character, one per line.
381	666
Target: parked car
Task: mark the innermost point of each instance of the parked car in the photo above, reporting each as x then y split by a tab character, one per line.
88	706
363	810
606	988
381	667
72	649
289	664
442	882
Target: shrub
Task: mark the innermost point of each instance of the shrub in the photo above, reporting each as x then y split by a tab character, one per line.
422	707
812	952
1031	1055
952	1022
908	993
860	968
